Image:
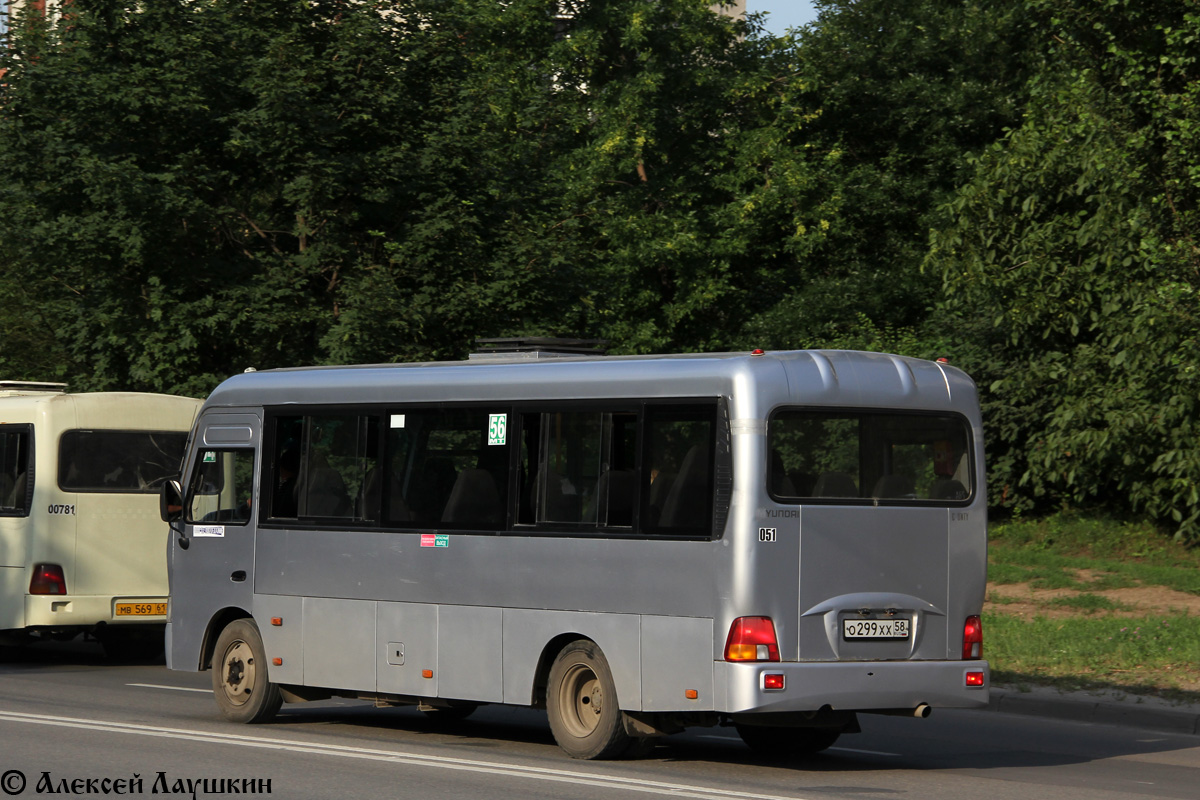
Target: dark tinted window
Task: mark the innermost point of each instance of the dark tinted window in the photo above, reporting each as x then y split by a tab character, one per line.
875	456
127	462
678	477
16	479
579	468
325	466
447	468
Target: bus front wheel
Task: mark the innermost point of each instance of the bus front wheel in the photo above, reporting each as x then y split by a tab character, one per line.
241	684
581	702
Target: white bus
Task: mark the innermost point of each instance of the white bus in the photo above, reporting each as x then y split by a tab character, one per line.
81	540
775	541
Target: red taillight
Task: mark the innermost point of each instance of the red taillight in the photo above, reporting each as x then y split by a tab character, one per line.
752	639
48	579
972	639
974	679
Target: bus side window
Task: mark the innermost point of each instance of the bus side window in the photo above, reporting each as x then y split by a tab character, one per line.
325	466
577	468
221	487
14	472
678	476
447	468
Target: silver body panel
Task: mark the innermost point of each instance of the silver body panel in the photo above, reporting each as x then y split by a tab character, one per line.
375	611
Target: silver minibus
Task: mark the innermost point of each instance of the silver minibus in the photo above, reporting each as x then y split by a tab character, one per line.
776	541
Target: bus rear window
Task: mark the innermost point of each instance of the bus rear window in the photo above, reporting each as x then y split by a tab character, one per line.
869	456
123	462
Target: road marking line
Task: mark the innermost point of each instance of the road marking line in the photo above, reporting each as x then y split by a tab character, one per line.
164	686
864	752
440	762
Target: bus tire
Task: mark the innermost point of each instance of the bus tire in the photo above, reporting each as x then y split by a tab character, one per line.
241	683
581	702
784	742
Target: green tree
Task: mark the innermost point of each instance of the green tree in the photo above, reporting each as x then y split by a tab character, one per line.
1071	263
899	95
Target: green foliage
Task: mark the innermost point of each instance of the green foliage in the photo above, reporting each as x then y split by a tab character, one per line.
190	189
204	187
897	95
1071	264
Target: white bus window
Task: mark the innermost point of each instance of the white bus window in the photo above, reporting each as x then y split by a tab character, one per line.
124	462
325	466
15	478
678	477
222	485
447	468
868	456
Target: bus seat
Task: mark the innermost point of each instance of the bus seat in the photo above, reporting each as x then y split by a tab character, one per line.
687	504
323	492
473	499
895	485
558	505
618	484
8	489
398	510
835	484
434	482
781	483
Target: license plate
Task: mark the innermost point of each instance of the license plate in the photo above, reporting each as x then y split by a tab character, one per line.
875	628
141	609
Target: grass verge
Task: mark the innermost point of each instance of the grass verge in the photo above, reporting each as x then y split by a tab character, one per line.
1085	603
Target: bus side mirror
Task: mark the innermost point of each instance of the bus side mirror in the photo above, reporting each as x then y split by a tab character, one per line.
170	501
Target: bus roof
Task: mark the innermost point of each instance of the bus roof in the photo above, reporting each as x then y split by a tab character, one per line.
811	377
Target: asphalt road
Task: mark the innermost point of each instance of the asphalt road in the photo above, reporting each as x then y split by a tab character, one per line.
70	721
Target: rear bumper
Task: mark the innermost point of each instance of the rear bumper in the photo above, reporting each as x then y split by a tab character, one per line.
70	611
849	686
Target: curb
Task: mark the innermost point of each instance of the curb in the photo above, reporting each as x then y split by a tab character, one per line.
1135	711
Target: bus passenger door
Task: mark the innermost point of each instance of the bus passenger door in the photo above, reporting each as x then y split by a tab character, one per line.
211	565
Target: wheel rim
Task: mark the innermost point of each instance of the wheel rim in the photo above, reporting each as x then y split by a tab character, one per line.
581	698
237	673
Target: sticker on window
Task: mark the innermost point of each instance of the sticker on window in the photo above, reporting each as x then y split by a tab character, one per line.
210	457
497	428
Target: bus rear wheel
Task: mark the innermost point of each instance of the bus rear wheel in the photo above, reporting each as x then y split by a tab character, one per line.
241	684
581	702
784	742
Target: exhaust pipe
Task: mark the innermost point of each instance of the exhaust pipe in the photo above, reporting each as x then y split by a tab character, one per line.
922	711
